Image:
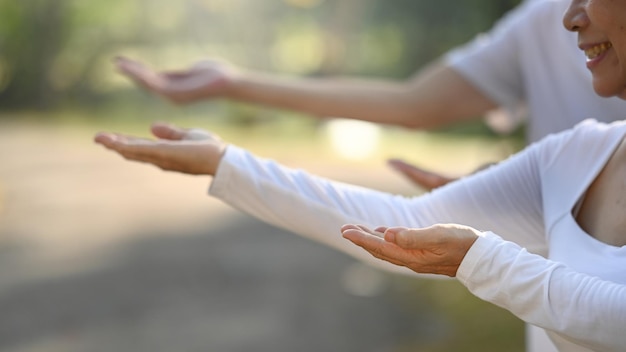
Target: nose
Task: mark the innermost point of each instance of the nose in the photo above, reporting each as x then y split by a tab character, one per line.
575	18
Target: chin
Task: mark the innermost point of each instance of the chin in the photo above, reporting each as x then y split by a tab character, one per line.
607	91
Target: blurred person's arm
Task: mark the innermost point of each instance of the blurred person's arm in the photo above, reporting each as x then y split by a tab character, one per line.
436	96
457	88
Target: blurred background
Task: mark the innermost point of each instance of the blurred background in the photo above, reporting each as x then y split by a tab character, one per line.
97	254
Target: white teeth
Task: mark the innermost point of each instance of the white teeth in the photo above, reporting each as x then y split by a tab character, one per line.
597	50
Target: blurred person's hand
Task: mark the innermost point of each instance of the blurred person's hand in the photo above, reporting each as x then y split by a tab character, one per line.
419	176
423	178
189	151
203	80
438	249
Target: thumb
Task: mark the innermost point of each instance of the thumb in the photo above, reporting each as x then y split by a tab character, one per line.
169	132
391	234
414	238
139	73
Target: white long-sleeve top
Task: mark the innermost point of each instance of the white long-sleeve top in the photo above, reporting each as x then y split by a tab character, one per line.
576	288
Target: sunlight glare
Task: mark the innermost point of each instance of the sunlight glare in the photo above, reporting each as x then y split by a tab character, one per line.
356	140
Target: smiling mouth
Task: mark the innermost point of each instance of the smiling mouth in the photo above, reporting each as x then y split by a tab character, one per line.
596	50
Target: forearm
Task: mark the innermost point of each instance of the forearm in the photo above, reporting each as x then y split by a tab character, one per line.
375	101
435	97
309	206
580	308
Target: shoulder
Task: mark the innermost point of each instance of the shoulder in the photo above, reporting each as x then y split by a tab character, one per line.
537	12
586	140
592	128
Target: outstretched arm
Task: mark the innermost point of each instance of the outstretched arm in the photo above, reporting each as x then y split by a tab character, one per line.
581	308
434	97
316	208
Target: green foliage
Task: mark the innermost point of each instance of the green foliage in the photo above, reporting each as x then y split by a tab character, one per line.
57	52
430	28
32	34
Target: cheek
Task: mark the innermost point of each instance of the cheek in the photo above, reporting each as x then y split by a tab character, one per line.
621	64
622	85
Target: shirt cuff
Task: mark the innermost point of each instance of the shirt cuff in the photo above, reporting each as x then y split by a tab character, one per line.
220	181
484	244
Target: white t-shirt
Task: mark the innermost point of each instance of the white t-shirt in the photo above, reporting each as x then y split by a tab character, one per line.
546	77
578	293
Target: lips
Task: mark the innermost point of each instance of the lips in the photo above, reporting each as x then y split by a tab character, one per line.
597	50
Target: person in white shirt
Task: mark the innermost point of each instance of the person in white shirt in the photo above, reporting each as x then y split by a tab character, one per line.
527	66
563	197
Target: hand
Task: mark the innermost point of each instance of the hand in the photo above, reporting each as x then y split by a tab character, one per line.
203	80
438	249
190	151
425	179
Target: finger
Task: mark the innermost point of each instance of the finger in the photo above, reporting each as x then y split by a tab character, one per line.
104	138
184	85
381	229
166	131
357	227
359	236
139	73
349	227
389	233
421	238
365	229
128	66
376	246
158	154
408	239
362	238
111	140
423	178
118	138
176	75
129	146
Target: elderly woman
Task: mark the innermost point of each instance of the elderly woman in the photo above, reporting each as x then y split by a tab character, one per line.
563	197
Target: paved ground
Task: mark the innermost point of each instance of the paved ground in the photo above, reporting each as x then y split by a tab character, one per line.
101	255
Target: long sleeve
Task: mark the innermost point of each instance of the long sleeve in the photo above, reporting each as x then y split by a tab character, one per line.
577	309
581	309
504	200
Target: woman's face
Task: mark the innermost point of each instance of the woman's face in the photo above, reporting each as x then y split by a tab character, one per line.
601	28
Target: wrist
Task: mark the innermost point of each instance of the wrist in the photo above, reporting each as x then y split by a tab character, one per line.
215	155
236	85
